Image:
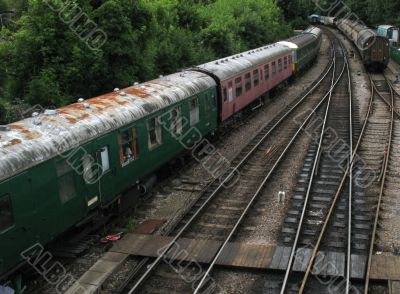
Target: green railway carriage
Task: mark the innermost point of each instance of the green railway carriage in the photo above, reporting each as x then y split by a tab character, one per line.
395	53
392	33
305	47
62	167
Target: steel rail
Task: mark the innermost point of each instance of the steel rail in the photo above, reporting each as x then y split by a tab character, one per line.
260	188
226	179
329	214
350	200
299	228
342	183
382	188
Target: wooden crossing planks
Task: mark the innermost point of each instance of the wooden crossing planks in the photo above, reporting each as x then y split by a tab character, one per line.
258	256
385	267
246	255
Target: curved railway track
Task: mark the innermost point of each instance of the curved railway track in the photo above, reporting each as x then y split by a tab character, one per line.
323	174
219	211
389	182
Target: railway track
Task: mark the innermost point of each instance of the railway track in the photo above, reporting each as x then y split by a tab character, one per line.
369	162
389	182
225	209
322	176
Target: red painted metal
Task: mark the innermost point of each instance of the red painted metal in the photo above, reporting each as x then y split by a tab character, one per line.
232	104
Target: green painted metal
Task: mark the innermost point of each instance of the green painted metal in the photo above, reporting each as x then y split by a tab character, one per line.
306	54
40	215
395	54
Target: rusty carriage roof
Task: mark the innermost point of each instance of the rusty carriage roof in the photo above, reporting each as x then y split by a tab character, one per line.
33	140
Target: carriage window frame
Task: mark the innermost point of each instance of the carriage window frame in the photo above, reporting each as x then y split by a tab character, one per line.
285	62
194	111
230	91
176	121
266	72
225	94
128	138
66	179
256	78
104	153
9	219
154	132
279	64
273	68
247	81
238	86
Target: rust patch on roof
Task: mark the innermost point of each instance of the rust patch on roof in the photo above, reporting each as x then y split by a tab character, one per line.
74	113
75	106
13	142
30	135
136	92
103	102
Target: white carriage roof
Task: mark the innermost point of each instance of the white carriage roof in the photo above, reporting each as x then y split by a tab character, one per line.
386	27
228	67
289	44
313	30
36	139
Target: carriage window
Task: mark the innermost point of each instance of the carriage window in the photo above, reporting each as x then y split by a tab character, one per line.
256	78
273	68
194	111
247	79
66	181
155	131
285	63
280	64
6	213
239	89
266	72
230	91
128	146
225	94
176	121
105	160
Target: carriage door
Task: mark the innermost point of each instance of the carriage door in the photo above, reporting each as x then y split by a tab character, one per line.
105	159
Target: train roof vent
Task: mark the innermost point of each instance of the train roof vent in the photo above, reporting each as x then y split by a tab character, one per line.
4	128
87	106
80	100
116	89
36	122
160	76
50	112
136	83
122	93
216	62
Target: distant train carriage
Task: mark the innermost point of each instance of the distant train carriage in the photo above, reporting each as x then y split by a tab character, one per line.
373	48
314	18
329	20
244	77
306	47
389	31
393	34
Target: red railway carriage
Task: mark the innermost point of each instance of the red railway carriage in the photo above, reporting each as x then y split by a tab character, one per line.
244	77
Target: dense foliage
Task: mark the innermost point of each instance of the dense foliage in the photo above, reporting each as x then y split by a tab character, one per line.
372	12
45	58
